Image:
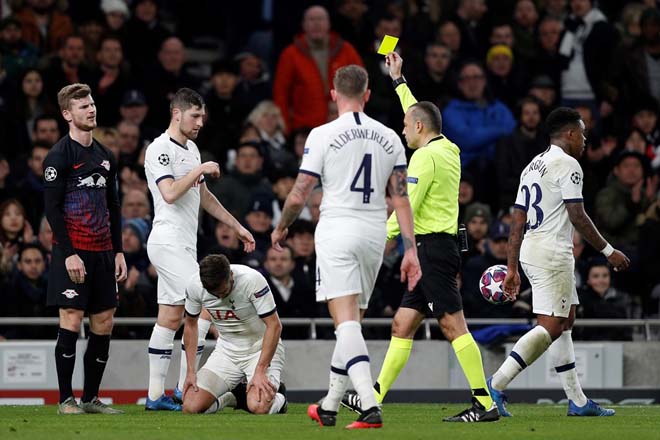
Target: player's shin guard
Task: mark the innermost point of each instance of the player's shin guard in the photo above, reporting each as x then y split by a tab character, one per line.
65	359
202	329
354	351
160	355
528	348
469	356
338	381
396	358
96	357
562	354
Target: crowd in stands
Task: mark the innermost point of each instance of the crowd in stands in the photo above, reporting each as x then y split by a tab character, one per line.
494	67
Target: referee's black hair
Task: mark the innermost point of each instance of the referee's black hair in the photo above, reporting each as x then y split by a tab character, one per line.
214	271
429	114
185	99
560	119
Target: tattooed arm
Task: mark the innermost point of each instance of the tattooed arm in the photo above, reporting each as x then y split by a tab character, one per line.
294	204
397	188
511	283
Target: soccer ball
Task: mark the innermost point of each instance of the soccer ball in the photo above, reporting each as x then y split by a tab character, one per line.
490	285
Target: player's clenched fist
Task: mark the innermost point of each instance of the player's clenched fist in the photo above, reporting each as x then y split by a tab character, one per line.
211	168
619	260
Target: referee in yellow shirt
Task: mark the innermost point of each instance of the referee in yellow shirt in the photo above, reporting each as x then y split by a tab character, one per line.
434	174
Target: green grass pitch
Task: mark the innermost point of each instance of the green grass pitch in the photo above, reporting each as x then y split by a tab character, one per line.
402	422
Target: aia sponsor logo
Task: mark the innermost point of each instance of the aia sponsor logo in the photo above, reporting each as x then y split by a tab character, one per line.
70	293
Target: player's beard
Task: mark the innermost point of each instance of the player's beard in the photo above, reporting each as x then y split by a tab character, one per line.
85	124
189	134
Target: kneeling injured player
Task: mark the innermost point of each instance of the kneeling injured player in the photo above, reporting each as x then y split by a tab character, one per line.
243	310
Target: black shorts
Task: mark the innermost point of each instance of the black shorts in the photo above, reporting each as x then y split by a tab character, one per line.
99	291
437	291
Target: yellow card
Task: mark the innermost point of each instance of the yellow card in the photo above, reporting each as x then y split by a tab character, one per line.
387	45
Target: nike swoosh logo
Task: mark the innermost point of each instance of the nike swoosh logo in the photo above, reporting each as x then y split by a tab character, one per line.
78	165
100	361
68	356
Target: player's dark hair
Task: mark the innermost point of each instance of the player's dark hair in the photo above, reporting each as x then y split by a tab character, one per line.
214	271
185	99
560	119
70	92
429	114
351	81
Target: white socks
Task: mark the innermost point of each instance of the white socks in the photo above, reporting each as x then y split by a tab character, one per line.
524	353
278	403
202	328
563	358
160	355
338	381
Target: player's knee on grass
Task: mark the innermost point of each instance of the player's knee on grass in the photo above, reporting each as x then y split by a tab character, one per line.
209	386
254	405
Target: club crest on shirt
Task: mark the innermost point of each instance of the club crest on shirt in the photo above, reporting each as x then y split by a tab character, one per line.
70	293
106	164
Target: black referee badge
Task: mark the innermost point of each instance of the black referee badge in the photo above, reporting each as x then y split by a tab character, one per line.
164	159
50	174
576	178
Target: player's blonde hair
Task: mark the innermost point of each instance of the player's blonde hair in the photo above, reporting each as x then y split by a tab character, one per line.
351	81
71	92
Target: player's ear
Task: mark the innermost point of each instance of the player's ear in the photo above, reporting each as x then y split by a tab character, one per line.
333	95
367	95
66	114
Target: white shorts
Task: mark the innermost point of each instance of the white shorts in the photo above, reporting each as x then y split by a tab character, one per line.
347	264
175	265
553	291
231	370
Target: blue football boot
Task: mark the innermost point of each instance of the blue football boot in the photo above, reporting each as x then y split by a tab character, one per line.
177	395
163	403
499	398
591	409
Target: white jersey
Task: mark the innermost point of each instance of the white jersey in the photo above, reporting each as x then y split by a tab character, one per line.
176	222
551	180
238	316
354	157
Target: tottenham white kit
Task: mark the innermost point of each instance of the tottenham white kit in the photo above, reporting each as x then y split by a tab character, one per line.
354	157
172	244
550	181
238	318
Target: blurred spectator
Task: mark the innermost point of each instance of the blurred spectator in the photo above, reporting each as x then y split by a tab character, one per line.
649	257
116	14
165	78
135	204
514	152
525	18
292	297
298	141
134	108
267	119
32	100
26	293
555	9
5	171
246	179
282	184
502	33
110	81
254	82
435	82
628	26
17	54
129	143
586	48
67	68
225	242
450	35
45	238
91	28
146	35
44	25
635	72
477	218
15	231
626	195
465	194
469	19
548	62
306	68
544	89
598	299
645	120
30	189
46	130
258	221
301	240
109	138
352	23
506	83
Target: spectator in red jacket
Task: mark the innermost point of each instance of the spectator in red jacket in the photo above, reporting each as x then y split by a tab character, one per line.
306	68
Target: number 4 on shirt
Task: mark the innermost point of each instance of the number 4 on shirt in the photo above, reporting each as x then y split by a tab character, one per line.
366	189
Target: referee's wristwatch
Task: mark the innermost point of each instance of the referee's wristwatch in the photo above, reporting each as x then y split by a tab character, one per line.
398	81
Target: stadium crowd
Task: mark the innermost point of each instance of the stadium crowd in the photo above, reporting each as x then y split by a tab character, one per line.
495	68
